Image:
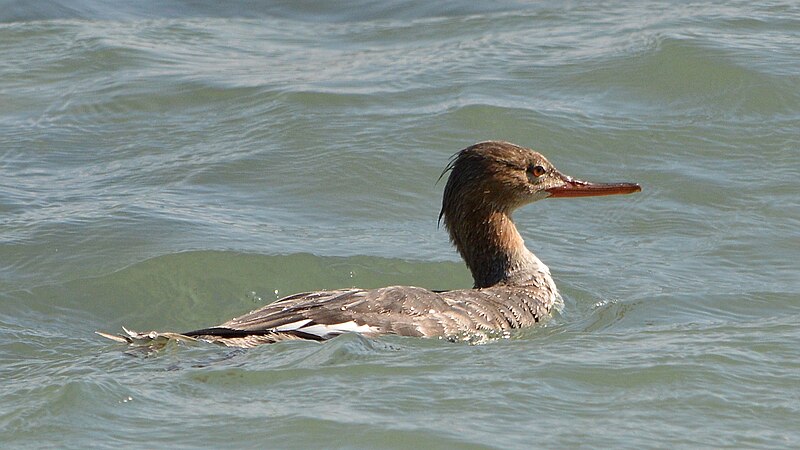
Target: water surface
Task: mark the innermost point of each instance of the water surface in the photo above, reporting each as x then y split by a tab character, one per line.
169	165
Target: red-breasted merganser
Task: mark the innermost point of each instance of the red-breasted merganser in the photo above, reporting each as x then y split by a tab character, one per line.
513	288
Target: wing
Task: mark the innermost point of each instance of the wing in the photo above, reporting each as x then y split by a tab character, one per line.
326	314
401	310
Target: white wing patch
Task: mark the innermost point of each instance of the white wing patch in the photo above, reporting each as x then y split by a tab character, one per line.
327	331
292	326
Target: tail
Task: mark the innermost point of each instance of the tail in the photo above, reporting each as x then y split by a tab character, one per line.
149	339
217	335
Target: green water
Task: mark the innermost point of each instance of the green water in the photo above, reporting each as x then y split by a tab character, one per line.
172	165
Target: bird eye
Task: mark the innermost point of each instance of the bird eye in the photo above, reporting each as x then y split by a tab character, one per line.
537	171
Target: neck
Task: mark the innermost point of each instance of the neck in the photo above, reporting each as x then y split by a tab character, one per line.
495	252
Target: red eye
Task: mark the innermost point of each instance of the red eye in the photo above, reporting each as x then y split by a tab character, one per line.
537	171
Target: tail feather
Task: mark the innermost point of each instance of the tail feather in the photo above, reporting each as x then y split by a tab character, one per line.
150	338
216	335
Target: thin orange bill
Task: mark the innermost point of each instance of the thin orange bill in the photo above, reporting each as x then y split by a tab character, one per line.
579	188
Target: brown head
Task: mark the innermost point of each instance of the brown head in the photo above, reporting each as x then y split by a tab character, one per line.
487	182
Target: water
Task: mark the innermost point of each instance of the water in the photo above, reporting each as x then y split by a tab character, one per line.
169	165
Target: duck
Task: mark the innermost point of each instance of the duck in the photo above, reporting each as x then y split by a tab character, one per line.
512	288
